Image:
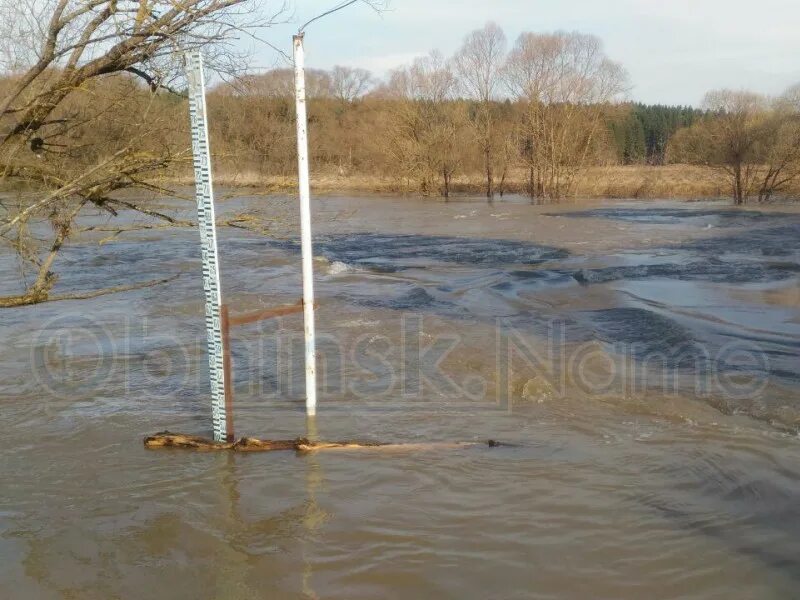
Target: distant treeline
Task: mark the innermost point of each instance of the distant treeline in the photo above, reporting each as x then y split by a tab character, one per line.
421	129
642	136
532	118
254	131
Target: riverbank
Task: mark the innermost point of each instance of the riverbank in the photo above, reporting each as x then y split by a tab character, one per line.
616	182
677	182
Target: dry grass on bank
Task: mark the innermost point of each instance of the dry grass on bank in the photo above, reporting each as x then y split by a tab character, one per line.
681	182
685	182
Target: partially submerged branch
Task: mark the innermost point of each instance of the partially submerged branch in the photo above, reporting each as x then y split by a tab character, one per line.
77	125
32	297
152	213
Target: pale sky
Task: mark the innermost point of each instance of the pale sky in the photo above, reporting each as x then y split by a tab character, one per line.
673	50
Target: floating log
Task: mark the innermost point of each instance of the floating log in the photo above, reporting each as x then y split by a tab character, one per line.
167	439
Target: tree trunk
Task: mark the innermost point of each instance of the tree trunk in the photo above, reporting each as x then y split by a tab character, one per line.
738	192
489	176
502	187
531	184
39	291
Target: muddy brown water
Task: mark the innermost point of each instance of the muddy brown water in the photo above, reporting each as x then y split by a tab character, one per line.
642	358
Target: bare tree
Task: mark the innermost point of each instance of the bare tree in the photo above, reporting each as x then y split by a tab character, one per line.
790	99
49	141
427	79
252	129
478	64
564	81
781	154
349	84
279	83
736	134
753	140
428	122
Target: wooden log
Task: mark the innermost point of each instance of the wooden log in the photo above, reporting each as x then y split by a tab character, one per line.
250	444
167	439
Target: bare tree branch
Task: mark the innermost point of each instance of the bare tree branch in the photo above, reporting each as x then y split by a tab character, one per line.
24	300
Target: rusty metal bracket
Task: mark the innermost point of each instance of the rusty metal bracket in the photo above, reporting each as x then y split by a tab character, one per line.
267	313
226	322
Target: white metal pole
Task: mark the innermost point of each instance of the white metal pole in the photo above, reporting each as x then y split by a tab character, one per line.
305	225
208	239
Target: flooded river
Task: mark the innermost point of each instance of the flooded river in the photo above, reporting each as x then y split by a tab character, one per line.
641	361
